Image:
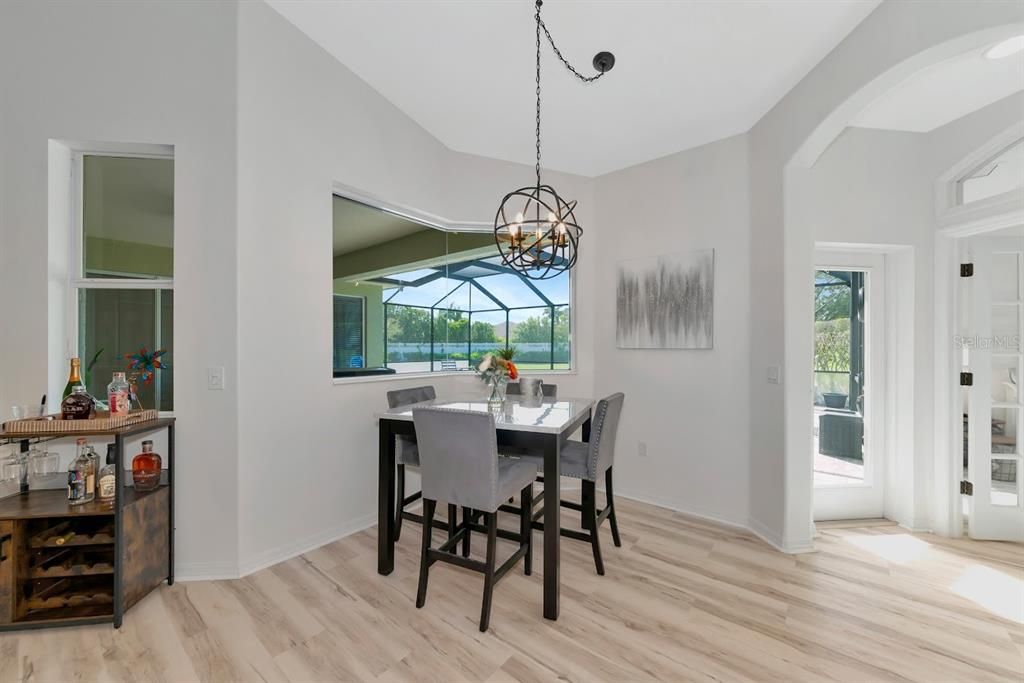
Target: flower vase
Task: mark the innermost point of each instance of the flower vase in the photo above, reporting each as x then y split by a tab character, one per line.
498	385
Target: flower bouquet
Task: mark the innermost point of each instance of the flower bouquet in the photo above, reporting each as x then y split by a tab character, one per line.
496	369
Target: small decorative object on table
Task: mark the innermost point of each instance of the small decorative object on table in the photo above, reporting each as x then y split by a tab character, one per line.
146	468
496	369
142	365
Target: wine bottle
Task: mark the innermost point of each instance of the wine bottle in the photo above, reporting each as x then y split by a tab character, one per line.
74	378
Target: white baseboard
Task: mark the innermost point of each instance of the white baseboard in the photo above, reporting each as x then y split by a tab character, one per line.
668	505
205	571
279	554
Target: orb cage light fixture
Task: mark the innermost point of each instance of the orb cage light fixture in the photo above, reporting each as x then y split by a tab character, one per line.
535	229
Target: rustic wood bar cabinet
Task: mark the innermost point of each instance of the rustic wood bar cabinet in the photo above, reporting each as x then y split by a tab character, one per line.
65	565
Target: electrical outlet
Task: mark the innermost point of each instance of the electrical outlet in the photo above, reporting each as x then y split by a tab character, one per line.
641	449
215	379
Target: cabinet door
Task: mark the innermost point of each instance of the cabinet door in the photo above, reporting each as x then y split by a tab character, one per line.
6	572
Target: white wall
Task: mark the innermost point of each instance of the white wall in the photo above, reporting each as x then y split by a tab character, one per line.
893	42
877	188
158	72
308	446
689	407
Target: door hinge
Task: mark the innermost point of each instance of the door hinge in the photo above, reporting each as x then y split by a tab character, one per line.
966	488
966	379
966	269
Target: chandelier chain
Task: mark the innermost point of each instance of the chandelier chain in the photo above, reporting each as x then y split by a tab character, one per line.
539	24
558	53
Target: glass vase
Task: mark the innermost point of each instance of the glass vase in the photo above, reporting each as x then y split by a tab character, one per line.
498	385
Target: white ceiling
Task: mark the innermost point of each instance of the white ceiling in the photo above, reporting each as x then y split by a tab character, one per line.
945	92
688	72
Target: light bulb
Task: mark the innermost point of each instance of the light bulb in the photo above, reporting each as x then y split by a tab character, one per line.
551	217
519	217
561	228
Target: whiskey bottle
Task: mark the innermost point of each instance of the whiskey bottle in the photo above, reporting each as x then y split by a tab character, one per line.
78	475
79	405
94	467
146	468
74	378
108	477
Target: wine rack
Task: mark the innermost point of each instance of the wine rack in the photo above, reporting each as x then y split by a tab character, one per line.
64	564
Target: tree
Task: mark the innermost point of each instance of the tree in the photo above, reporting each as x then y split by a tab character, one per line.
483	332
538	328
831	301
408	325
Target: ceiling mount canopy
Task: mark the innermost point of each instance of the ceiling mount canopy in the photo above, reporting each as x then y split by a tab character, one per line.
535	228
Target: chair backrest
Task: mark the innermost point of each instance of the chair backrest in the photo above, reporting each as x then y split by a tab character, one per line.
603	428
550	390
404	397
458	456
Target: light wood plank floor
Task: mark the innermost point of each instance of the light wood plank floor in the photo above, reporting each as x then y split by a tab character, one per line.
683	600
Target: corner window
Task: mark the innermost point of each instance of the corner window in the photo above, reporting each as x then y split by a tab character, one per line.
123	269
437	299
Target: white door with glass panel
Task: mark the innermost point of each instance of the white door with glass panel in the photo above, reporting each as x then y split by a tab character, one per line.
848	412
993	361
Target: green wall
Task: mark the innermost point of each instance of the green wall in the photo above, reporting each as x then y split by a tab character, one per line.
404	253
374	332
118	256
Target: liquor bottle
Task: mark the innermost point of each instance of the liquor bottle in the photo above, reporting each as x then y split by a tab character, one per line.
79	405
108	477
146	468
94	468
78	474
74	378
118	395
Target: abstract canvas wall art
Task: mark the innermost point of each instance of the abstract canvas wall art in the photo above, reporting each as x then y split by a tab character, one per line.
666	302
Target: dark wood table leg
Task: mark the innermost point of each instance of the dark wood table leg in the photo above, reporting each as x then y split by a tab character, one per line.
385	499
552	524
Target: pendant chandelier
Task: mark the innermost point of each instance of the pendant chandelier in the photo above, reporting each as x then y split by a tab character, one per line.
535	228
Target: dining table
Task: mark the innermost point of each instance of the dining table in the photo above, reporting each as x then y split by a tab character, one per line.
540	425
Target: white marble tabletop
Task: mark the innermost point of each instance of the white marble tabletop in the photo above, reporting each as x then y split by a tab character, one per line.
550	416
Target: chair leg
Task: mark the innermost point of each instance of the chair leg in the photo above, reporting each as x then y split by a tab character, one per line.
491	519
590	517
428	521
467	517
399	497
453	520
587	502
610	502
526	527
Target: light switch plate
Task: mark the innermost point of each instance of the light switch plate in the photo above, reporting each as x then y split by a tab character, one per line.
774	374
215	378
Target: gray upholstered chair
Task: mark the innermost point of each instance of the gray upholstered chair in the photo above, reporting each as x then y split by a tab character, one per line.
407	453
549	390
459	464
589	461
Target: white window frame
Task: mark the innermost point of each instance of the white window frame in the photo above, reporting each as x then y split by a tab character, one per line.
949	209
77	280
